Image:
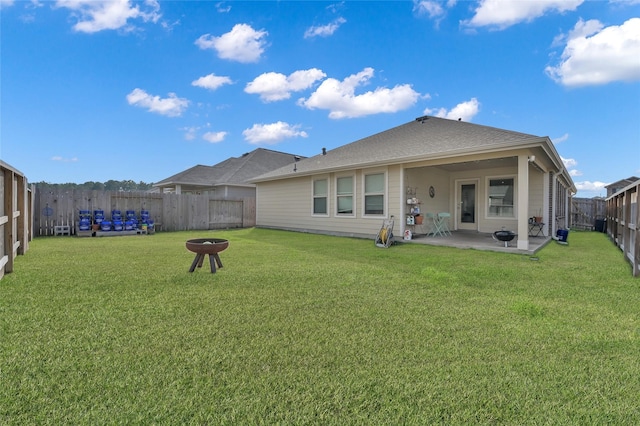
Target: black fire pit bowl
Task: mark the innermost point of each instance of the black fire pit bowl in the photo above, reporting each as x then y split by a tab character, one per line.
204	246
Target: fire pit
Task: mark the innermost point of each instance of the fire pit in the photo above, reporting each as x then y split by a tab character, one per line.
204	246
504	236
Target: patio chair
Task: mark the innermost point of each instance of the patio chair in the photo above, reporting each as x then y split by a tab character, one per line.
442	224
430	224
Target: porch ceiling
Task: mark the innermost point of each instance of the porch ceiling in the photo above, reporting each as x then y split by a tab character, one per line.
479	164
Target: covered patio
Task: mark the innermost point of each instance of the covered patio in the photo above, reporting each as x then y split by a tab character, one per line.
477	241
477	178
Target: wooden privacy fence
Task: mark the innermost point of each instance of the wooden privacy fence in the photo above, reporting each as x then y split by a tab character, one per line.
623	220
586	211
16	211
170	212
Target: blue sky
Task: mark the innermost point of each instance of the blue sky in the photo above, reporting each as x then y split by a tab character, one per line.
99	90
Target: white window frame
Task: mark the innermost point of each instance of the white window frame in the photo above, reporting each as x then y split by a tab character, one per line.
488	214
353	196
383	193
327	196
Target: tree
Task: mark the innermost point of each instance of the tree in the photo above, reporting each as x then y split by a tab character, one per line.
110	185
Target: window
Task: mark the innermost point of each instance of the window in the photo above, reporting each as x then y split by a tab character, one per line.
501	197
344	188
374	194
320	193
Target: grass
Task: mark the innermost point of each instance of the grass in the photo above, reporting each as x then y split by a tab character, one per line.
311	329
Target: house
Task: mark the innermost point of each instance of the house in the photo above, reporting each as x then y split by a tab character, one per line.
614	187
229	178
486	178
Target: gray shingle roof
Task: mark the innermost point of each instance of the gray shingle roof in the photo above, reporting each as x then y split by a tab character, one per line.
232	171
425	137
623	182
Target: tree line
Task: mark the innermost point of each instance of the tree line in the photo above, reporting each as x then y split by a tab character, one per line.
110	185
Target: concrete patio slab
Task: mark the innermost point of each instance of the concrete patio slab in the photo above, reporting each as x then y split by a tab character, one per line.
478	241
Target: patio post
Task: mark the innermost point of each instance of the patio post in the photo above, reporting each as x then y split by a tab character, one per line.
523	202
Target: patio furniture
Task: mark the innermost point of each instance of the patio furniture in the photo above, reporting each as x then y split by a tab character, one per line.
430	224
442	224
536	228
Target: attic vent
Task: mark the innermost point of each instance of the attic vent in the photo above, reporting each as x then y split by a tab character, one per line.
245	154
422	119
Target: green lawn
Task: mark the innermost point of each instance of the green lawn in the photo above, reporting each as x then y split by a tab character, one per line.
309	329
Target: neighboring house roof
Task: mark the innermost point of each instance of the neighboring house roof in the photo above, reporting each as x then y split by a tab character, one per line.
424	137
622	183
232	171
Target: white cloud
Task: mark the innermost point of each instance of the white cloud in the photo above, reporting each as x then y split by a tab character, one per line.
241	44
273	133
431	8
505	13
324	30
464	111
590	186
94	16
172	106
169	26
222	8
274	86
569	163
625	2
435	10
214	137
64	160
561	139
597	55
340	99
6	3
190	133
211	81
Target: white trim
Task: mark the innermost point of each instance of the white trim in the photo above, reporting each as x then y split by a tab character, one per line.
385	193
328	195
488	180
401	199
545	203
354	198
456	199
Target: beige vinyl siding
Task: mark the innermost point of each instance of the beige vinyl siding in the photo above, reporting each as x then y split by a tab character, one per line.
445	186
536	194
288	204
236	192
426	177
395	196
283	203
488	223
